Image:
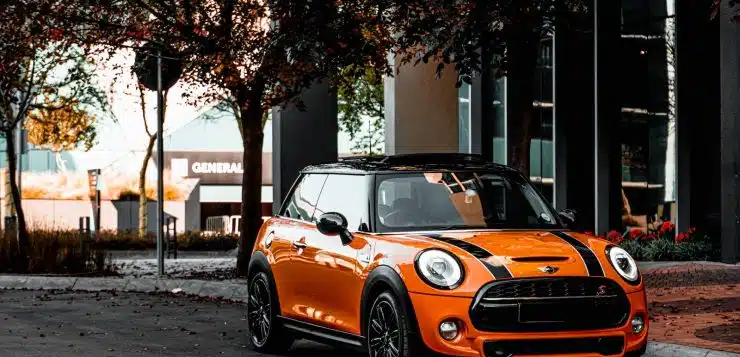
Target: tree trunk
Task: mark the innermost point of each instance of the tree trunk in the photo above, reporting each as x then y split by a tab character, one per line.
522	64
23	240
143	199
250	103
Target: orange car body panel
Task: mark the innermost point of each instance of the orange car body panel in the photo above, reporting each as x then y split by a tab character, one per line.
323	283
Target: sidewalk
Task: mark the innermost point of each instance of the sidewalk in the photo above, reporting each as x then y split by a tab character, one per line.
691	304
695	304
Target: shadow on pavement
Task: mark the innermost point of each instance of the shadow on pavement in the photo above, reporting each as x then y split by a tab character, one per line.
698	306
727	333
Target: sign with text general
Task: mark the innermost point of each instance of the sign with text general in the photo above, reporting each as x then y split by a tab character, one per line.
213	167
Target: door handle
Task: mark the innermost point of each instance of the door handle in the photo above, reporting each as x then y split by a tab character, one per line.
299	244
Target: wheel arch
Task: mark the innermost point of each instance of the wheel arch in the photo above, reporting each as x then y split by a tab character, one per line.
385	278
258	263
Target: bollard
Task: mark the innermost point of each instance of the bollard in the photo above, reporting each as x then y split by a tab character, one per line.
84	229
10	224
171	235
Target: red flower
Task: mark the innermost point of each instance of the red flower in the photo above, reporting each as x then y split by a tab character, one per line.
667	226
615	237
692	230
650	236
636	234
682	237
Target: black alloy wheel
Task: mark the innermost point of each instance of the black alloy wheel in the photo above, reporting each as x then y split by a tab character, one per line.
259	311
384	333
266	333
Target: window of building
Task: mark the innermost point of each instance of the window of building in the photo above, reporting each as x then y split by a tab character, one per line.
302	203
345	194
464	118
500	155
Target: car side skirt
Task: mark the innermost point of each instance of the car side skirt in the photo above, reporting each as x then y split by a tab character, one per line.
322	334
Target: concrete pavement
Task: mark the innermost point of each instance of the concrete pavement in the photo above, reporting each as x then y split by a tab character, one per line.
73	324
71	317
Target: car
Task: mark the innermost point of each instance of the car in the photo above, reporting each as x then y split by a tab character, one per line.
440	254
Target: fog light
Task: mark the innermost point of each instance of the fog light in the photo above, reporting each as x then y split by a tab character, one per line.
638	323
448	330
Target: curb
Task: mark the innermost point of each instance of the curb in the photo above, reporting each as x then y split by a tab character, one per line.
229	291
236	291
660	349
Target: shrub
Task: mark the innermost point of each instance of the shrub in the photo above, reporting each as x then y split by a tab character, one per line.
664	244
54	252
186	241
634	248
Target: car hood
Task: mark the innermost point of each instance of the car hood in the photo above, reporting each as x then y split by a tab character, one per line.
520	254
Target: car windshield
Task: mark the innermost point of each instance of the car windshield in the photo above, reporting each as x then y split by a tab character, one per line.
459	200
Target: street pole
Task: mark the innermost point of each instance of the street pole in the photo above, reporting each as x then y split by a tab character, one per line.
19	146
160	169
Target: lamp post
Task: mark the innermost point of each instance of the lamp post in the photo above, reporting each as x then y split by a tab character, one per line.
160	169
158	68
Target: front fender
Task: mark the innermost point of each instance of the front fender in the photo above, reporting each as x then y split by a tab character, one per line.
382	278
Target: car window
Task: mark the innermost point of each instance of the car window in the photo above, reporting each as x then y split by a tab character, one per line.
303	201
346	194
459	200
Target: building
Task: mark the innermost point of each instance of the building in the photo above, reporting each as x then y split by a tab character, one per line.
639	108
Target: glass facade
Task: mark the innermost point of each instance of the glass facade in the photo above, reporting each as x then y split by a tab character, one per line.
647	125
648	116
541	150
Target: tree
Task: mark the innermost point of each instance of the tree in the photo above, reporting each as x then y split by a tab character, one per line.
151	140
260	53
36	61
361	104
228	106
503	34
64	129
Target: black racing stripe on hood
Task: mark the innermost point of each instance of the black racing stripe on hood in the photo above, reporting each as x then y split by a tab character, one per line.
498	272
589	258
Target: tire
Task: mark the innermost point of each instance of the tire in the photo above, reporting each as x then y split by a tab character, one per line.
389	328
266	334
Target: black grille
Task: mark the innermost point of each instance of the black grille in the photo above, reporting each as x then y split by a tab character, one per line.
604	346
550	304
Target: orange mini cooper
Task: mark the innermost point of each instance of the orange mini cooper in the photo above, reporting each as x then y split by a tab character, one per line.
441	254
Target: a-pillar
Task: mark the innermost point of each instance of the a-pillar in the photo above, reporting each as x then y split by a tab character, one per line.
421	114
302	138
729	65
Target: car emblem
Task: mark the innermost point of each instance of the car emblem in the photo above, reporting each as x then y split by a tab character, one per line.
549	269
601	290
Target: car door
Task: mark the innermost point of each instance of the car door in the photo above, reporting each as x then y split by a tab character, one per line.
290	230
335	270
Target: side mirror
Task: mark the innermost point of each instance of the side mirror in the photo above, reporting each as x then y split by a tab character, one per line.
569	217
333	223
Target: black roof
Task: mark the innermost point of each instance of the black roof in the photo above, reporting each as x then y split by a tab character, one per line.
409	163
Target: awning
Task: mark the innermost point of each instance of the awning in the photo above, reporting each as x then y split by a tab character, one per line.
229	194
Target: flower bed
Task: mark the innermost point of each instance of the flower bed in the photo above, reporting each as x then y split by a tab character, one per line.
664	244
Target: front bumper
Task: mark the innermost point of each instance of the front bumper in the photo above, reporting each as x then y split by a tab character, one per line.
431	310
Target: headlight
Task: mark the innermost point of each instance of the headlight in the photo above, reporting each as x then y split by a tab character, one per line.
439	269
623	264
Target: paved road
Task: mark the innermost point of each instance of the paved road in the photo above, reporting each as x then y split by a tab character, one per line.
34	323
63	324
